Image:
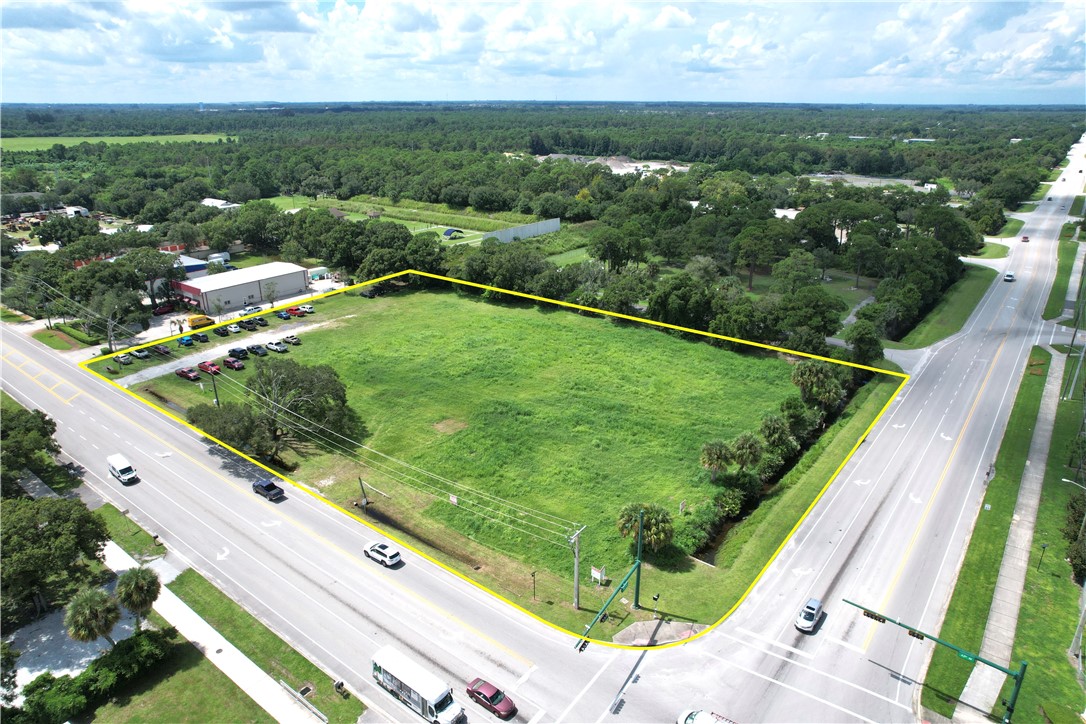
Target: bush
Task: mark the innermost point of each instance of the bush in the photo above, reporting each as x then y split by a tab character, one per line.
49	699
1077	554
76	334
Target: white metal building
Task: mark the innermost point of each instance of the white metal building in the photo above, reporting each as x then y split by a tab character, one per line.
264	283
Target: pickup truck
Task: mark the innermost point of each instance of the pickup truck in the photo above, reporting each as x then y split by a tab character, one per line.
268	489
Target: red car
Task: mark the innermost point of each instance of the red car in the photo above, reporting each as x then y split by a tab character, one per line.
492	699
162	309
295	311
187	373
233	363
209	367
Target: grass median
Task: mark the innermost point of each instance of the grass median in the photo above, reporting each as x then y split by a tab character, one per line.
1057	295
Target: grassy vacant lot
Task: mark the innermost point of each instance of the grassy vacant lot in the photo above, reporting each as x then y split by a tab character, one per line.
949	315
266	650
569	415
41	143
967	614
1066	251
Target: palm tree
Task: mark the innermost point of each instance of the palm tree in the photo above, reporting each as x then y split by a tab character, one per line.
658	527
92	613
137	590
746	450
716	456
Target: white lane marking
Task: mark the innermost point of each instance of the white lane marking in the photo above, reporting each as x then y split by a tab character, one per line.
774	642
847	645
271	523
945	437
524	677
862	482
587	686
539	715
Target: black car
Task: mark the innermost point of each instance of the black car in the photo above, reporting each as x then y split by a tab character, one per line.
258	350
222	331
247	324
268	489
200	337
260	321
161	349
239	353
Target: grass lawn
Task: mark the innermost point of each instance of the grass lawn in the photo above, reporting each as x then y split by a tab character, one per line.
569	415
1012	227
1077	206
570	257
1057	294
123	531
967	614
56	339
993	251
7	315
1067	231
951	313
1047	622
266	650
41	143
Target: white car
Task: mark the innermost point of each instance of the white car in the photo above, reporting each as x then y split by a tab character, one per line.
234	329
307	308
809	615
383	553
1008	277
251	310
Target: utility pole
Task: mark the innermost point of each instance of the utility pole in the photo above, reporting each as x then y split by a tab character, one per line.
575	541
215	387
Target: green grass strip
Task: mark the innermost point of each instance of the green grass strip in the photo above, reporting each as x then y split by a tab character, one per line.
993	251
42	143
1077	206
1049	615
950	315
967	614
126	533
264	647
1057	295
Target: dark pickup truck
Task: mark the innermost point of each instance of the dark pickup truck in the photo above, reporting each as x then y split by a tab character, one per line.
268	489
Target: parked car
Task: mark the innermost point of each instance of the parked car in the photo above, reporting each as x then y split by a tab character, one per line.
209	367
268	489
282	314
382	552
247	324
233	363
185	341
239	352
162	309
162	350
307	308
295	311
1008	277
200	337
1025	238
124	359
140	353
809	615
258	350
260	321
492	699
233	329
187	373
252	310
221	331
276	347
291	339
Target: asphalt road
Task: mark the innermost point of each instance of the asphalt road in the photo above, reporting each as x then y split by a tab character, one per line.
888	534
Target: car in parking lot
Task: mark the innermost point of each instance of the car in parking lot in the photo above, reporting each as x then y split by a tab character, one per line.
247	324
187	373
276	347
1008	277
383	553
221	331
185	341
140	353
307	308
209	367
282	314
1025	238
260	321
124	359
162	309
291	339
200	337
268	489
233	363
809	615
252	310
162	349
491	698
233	329
258	350
239	352
295	311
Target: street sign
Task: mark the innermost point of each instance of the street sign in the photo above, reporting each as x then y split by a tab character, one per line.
966	656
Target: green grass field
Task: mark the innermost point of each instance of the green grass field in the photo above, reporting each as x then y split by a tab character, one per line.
967	614
1057	294
569	415
41	143
1012	227
951	313
993	251
1077	206
123	531
56	340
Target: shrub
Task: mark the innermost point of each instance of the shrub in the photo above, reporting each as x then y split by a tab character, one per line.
1077	555
76	334
49	699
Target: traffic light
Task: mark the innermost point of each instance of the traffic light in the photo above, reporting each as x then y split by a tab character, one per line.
872	614
916	634
583	646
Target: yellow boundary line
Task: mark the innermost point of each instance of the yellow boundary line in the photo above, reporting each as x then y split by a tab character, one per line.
904	380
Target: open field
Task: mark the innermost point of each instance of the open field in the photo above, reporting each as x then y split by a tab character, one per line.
41	143
506	400
1012	227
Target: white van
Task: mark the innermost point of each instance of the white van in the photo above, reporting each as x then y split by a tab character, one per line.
120	468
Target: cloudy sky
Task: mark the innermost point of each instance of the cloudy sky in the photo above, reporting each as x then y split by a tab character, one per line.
157	51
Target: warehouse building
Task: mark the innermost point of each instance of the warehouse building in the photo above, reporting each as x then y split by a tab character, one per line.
262	284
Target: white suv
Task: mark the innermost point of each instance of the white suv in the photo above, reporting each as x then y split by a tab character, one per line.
383	553
307	308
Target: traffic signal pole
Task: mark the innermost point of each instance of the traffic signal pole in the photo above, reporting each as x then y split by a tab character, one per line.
962	653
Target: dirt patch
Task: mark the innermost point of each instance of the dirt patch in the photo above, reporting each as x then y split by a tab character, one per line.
448	427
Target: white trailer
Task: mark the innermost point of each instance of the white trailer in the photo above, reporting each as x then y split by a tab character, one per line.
415	687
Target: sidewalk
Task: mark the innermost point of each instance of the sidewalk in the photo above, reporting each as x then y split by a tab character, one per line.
263	689
985	684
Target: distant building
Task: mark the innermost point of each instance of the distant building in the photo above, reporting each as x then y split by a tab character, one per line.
220	204
71	211
236	289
